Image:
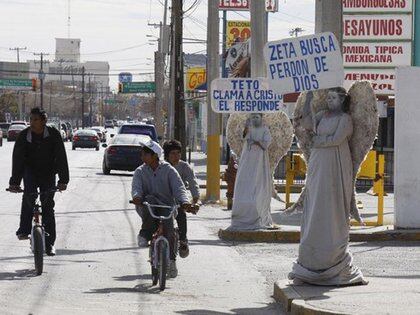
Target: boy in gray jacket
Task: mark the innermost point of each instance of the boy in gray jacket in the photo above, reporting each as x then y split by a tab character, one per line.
157	182
172	152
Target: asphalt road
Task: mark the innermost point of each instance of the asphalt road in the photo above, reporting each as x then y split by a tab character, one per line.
99	269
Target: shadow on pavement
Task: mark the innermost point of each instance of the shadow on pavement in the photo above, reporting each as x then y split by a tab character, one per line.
133	277
272	308
23	274
85	251
140	288
94	211
215	242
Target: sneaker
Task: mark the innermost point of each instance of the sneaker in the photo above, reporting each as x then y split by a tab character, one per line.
50	250
141	241
184	249
22	236
172	269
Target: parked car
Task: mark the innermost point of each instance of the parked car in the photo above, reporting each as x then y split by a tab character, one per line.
101	132
14	131
109	124
19	122
85	138
139	129
4	126
123	153
60	130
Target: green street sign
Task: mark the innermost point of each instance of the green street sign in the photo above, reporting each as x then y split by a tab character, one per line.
138	87
16	84
109	101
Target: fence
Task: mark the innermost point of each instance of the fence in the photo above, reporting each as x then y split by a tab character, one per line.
361	185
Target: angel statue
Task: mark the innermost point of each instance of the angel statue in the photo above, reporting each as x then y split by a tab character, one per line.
335	130
261	141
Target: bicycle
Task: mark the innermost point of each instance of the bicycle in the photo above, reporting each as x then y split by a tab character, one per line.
37	238
159	251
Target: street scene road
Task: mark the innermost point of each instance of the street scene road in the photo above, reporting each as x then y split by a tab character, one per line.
99	267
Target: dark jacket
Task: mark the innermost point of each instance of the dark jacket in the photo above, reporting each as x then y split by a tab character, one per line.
43	160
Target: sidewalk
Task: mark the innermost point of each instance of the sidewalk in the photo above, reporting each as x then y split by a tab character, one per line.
389	259
392	269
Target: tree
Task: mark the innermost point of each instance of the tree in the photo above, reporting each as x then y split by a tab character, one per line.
8	104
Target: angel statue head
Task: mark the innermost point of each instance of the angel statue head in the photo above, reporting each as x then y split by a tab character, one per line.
256	119
338	100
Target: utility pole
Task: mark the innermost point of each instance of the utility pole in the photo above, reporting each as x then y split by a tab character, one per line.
258	38
296	31
160	71
83	97
41	76
329	18
178	74
50	111
17	51
213	119
90	102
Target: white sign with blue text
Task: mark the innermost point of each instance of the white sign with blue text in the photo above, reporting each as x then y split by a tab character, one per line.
244	95
304	63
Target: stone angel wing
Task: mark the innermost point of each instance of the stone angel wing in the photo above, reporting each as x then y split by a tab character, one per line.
364	113
281	131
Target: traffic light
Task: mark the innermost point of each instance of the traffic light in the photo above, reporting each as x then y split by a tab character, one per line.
33	84
120	87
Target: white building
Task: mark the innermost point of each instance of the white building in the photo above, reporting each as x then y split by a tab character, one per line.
68	69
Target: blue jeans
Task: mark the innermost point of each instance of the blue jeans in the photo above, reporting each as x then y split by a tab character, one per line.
31	183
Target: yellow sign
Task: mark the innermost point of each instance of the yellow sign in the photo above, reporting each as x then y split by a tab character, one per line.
237	31
195	78
368	167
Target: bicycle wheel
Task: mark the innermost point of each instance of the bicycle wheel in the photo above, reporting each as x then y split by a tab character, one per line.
155	271
38	249
163	264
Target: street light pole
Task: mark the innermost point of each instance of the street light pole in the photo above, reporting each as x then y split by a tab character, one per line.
41	76
213	119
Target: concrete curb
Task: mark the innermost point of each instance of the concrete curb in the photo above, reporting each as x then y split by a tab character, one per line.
294	303
291	234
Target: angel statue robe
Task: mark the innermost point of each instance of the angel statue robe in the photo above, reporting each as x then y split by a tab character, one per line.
324	257
253	185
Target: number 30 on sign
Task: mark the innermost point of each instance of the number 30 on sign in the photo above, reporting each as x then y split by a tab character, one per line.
237	31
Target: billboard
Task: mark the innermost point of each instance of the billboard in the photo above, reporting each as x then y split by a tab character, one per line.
377	38
195	79
380	54
352	6
377	27
237	32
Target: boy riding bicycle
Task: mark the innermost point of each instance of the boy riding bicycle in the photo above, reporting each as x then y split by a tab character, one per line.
172	151
157	182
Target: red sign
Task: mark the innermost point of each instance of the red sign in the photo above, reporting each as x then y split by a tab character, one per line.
233	4
243	5
377	6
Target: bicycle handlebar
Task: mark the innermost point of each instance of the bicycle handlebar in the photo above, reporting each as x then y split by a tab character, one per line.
161	217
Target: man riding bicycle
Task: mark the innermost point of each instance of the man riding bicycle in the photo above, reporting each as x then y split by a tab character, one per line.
172	151
39	155
157	182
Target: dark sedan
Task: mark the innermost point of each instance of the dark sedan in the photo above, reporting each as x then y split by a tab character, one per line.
14	132
123	153
85	138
